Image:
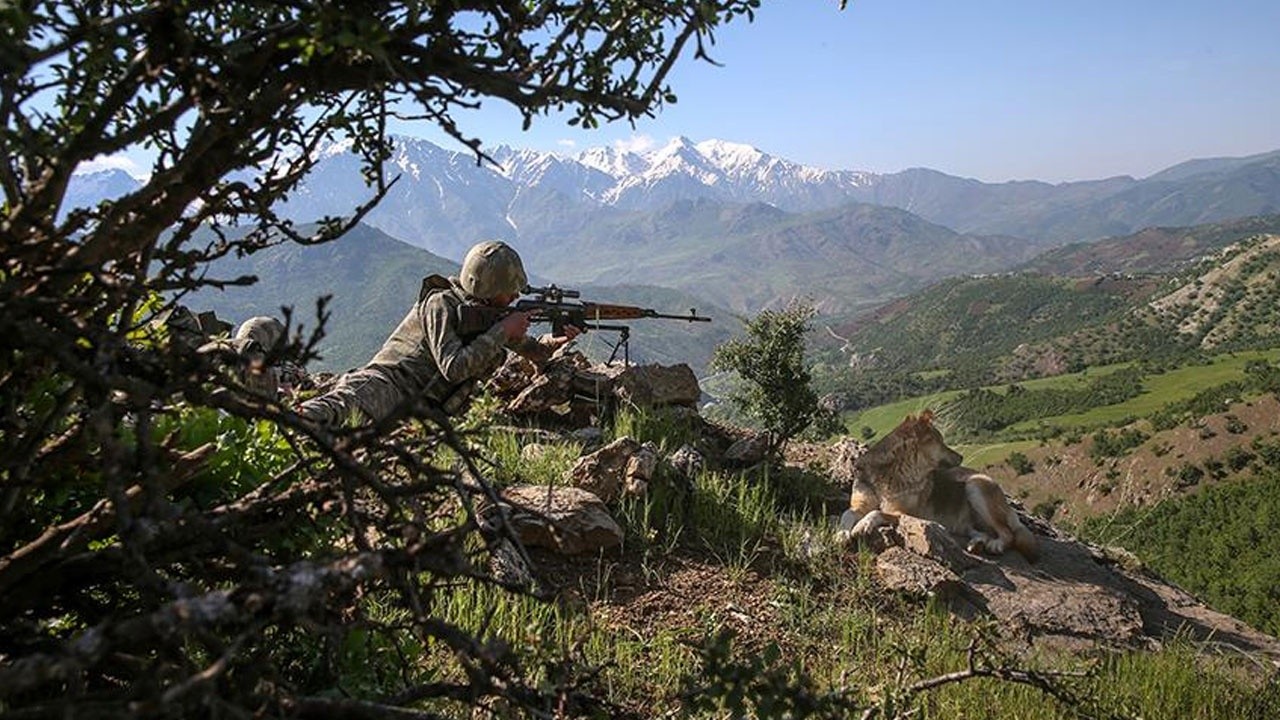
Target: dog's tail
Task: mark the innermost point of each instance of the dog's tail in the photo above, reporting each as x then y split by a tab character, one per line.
1024	541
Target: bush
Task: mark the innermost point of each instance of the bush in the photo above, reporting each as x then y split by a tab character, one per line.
1108	444
776	388
1020	463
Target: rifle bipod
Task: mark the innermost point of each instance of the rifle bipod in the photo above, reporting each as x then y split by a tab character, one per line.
623	344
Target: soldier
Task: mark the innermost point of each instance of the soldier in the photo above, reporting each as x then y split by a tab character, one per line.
425	358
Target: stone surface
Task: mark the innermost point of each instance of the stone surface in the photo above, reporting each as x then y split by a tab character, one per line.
902	570
642	385
931	540
687	461
749	450
568	388
1074	594
623	467
567	520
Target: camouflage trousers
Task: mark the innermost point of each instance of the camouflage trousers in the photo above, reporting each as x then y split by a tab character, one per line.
361	396
370	395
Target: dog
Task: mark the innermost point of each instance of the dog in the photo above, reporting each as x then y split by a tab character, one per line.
911	471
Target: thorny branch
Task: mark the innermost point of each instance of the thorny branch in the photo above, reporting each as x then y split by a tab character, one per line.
171	544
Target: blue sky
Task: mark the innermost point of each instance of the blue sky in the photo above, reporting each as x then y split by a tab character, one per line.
991	89
996	89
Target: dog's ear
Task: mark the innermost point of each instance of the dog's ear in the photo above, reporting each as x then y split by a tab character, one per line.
926	418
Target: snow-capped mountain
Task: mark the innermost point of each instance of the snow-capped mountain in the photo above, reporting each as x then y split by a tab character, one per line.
444	201
681	170
730	172
560	208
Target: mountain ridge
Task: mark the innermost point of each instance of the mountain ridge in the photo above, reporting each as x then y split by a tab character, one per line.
445	200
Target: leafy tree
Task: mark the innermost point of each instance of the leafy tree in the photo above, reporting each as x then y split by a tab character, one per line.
776	388
143	570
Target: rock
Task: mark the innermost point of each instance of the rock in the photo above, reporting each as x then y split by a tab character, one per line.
571	390
564	519
507	564
642	385
687	461
551	390
750	450
624	466
640	469
905	571
1074	595
589	436
931	540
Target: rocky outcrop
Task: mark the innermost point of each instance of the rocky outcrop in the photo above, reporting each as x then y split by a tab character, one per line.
567	520
570	389
750	450
623	467
1077	594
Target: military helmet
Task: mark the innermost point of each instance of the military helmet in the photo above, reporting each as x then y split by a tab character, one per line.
267	332
491	269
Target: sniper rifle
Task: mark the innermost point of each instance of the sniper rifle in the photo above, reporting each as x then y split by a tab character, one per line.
549	305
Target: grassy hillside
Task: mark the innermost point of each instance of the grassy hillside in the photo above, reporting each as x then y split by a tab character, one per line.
730	596
1220	543
970	331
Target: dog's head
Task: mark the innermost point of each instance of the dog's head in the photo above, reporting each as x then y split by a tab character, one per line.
907	454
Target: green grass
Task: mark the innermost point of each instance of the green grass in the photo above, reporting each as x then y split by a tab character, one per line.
1158	390
797	589
982	455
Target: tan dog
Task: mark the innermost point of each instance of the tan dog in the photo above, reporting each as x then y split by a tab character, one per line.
911	471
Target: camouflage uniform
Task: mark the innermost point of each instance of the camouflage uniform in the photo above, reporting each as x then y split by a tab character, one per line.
424	358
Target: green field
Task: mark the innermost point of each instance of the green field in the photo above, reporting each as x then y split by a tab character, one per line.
1158	390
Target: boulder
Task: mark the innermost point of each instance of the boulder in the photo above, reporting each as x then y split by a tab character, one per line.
623	467
902	570
641	385
567	520
687	461
931	540
1074	595
750	450
571	390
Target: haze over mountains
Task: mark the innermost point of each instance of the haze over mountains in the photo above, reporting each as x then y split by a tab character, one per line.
551	205
731	226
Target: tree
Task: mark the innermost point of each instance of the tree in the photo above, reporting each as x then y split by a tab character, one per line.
776	387
170	543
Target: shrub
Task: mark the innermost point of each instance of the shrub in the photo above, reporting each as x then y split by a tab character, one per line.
1020	463
776	388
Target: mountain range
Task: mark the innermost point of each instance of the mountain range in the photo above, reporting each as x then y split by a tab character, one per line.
552	206
726	226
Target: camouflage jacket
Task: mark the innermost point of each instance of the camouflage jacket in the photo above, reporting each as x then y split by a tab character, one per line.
425	356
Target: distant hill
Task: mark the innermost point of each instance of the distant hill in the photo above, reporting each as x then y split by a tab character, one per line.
746	257
372	277
375	278
984	322
1205	288
1153	250
747	229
